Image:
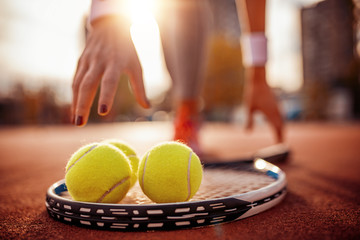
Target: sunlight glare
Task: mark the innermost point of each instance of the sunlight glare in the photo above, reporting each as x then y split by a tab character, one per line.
260	164
141	10
146	37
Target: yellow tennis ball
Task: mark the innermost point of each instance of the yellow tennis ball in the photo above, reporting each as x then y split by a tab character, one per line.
170	172
98	172
130	153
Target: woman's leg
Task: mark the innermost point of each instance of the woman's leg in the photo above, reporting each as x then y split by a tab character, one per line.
184	28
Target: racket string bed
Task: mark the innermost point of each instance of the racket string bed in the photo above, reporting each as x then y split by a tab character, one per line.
218	183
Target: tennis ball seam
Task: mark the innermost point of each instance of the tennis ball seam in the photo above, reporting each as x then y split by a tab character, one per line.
143	175
112	188
188	177
90	149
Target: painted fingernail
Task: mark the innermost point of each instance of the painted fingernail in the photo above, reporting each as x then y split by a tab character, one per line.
79	120
103	108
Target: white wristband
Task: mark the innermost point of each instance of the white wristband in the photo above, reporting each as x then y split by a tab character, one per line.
100	8
254	49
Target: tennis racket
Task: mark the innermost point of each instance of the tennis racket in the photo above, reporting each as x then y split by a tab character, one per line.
229	191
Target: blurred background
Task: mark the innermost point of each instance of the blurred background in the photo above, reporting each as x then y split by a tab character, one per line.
313	62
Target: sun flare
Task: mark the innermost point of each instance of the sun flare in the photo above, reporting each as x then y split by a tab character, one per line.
146	37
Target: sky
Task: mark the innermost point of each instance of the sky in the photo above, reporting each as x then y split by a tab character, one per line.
42	40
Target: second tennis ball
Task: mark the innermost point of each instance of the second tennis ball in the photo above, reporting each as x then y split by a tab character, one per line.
98	172
131	154
170	172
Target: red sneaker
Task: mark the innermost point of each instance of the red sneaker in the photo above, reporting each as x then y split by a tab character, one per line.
187	124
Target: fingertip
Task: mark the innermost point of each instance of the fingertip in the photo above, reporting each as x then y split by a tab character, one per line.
137	84
103	110
79	121
141	98
146	103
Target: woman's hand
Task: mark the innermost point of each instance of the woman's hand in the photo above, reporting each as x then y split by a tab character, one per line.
259	97
109	53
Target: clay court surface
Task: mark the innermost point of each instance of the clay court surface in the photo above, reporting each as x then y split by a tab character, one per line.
323	200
